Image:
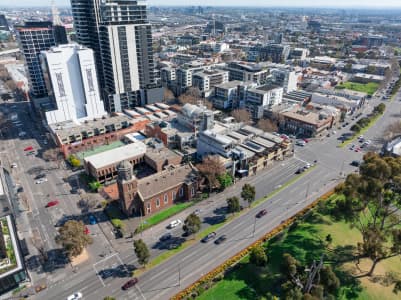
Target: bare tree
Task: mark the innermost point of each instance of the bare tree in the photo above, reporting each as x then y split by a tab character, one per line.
211	167
168	95
190	96
267	125
241	115
53	154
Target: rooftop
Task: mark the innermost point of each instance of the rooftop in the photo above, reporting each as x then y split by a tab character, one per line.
165	180
116	155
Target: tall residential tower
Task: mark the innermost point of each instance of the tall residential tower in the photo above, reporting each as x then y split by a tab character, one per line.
120	35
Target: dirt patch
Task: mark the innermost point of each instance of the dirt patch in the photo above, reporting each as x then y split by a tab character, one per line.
80	258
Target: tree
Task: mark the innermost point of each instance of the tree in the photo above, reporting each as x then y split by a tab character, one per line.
371	203
329	279
225	180
168	95
74	161
192	224
211	167
356	128
233	205
267	125
248	193
53	154
142	252
329	239
392	130
379	109
190	96
72	237
109	298
241	115
289	266
258	256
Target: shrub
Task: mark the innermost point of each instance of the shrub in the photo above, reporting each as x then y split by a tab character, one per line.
74	161
94	186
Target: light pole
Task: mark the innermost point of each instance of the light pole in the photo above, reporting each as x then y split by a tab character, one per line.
254	227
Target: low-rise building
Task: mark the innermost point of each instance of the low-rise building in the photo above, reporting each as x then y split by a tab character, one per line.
155	192
207	79
302	122
260	98
247	72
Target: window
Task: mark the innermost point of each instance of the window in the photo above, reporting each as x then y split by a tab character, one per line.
157	202
165	198
148	207
181	191
90	80
60	84
173	195
192	191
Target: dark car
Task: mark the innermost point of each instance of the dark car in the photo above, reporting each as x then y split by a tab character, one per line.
118	234
261	213
40	176
106	273
165	237
220	239
299	171
355	163
209	237
130	283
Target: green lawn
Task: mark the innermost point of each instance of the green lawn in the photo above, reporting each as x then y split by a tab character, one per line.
165	214
100	149
368	88
306	241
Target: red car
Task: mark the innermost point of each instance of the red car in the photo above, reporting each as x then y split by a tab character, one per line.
130	283
306	140
52	203
30	148
261	213
86	230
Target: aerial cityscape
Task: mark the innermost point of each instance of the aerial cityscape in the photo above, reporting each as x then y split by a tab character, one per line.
203	150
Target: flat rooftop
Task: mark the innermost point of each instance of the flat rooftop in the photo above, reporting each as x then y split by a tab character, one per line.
116	155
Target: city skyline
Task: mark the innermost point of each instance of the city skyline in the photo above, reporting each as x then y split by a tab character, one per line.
254	3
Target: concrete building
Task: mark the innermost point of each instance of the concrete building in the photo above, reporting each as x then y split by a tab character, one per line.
35	37
298	53
70	77
276	53
247	72
120	35
155	192
285	78
260	98
206	80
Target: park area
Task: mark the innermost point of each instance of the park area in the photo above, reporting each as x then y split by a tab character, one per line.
369	88
318	234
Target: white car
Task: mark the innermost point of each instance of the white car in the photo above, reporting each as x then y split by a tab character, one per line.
75	296
41	180
22	133
174	223
13	165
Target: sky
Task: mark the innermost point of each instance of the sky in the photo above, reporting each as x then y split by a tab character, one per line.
264	3
289	3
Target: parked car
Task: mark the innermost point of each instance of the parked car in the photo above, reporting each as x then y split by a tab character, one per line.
130	283
39	176
41	180
92	220
75	296
165	237
29	148
306	140
52	203
13	165
86	230
355	163
299	171
220	239
174	223
261	213
300	143
197	211
209	237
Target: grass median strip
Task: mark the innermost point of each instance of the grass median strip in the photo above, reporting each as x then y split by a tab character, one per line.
198	236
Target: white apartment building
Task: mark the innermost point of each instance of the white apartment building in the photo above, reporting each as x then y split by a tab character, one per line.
257	99
70	77
207	79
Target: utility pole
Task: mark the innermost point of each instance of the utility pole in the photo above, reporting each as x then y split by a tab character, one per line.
314	270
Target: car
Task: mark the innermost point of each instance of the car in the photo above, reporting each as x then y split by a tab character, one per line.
174	223
358	149
328	135
165	237
22	133
220	239
86	230
31	153
39	176
334	132
306	140
29	148
52	203
355	163
13	165
106	273
299	171
360	137
261	213
307	166
92	220
75	296
130	283
118	234
291	136
300	143
209	237
41	180
197	211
